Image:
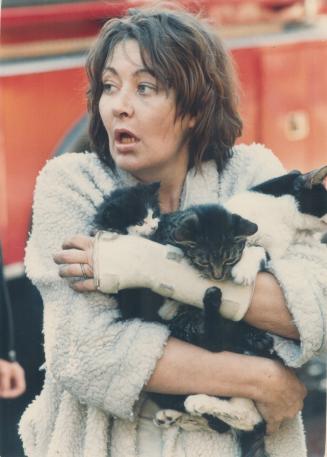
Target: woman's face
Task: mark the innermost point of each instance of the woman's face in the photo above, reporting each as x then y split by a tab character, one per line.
139	117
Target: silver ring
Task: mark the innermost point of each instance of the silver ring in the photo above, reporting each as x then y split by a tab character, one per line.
83	271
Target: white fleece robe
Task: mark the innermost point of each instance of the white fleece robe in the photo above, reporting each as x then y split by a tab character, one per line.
96	367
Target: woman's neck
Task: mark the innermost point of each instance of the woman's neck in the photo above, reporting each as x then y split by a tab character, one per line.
170	197
171	186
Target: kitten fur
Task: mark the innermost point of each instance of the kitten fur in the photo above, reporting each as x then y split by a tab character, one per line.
213	240
133	210
287	209
221	245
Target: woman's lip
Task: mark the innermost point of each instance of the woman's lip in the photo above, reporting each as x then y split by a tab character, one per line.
125	147
119	132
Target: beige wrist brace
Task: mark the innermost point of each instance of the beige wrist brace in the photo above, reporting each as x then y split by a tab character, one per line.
126	261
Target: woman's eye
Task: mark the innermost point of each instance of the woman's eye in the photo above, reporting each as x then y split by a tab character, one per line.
145	89
107	87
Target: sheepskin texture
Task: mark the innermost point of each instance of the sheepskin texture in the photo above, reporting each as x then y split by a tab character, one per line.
96	367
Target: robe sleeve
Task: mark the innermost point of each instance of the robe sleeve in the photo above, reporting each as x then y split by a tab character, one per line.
301	273
101	361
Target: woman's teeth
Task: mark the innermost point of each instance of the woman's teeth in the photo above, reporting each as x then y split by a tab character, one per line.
127	140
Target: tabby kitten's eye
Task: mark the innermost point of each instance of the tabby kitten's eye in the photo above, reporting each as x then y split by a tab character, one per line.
140	224
187	243
202	263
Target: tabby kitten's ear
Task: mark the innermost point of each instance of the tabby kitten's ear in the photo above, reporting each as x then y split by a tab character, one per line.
314	177
243	227
187	229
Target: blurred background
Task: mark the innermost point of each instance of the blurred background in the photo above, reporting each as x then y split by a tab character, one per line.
280	52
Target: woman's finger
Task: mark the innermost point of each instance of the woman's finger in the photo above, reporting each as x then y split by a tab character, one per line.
70	256
17	381
78	242
74	270
5	373
87	285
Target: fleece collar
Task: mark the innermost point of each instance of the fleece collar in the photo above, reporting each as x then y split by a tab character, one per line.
199	186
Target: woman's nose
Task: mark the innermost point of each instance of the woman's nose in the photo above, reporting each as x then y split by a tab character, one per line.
122	106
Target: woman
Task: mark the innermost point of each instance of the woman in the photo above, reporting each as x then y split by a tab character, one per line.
162	102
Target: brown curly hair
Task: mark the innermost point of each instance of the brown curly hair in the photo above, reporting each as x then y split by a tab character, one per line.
185	54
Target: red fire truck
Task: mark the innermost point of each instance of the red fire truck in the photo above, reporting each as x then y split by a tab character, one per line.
280	51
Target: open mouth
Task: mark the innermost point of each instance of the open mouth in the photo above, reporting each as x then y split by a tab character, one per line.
125	137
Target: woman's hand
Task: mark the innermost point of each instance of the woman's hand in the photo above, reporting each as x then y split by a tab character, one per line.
76	261
12	379
281	395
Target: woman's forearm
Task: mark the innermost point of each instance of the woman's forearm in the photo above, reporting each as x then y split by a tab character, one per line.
268	310
188	369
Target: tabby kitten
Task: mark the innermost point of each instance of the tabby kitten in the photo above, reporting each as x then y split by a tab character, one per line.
213	240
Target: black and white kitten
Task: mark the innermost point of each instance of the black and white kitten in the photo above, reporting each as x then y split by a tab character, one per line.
288	209
133	210
130	210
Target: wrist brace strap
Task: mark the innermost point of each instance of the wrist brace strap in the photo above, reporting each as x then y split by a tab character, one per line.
126	261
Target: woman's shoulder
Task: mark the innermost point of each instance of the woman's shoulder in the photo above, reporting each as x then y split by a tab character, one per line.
258	160
75	162
250	165
76	170
73	179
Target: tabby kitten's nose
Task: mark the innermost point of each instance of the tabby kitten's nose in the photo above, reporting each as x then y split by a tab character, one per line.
218	272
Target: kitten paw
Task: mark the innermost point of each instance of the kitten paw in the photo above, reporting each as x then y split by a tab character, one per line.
212	297
251	262
239	413
165	418
259	342
242	275
169	309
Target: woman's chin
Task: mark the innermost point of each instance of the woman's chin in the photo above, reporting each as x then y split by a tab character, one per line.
129	164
